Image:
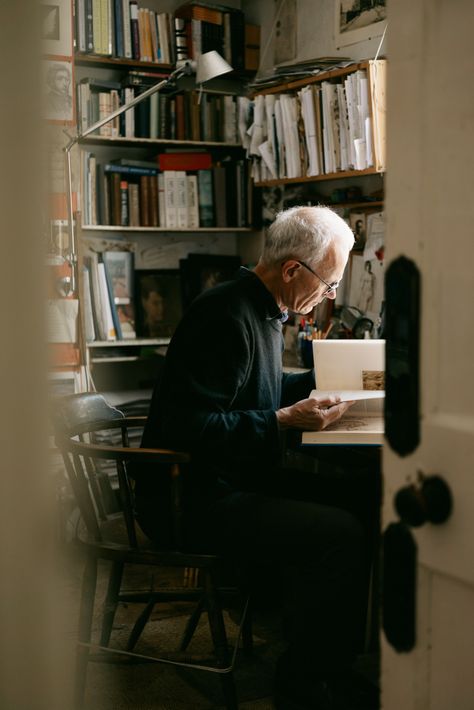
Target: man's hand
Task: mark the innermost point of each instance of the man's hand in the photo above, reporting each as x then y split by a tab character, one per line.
312	414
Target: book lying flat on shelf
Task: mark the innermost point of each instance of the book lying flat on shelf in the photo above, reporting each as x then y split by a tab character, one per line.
354	371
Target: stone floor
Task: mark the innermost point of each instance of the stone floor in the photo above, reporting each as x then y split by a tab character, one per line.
120	685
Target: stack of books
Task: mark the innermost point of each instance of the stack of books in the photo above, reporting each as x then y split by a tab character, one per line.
180	191
119	28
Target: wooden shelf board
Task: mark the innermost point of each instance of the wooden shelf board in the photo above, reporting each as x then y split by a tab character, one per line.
132	342
99	60
316	178
367	204
312	79
112	228
121	140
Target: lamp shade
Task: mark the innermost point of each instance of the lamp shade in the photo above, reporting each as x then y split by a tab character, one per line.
210	65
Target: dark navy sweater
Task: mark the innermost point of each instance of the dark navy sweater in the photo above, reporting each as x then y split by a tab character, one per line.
221	385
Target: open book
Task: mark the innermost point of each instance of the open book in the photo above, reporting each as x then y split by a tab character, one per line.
358	367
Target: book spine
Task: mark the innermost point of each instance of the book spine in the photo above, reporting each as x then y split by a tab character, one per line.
128	169
154	39
153	188
133	204
113	309
115	198
158	39
134	31
206	205
119	37
106	27
180	130
80	25
193	207
92	263
124	217
93	189
110	333
181	41
161	200
127	36
219	195
96	27
144	201
181	199
89	29
170	199
88	317
105	109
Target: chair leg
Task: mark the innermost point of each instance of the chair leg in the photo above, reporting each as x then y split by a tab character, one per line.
191	625
247	637
111	602
140	625
89	583
219	638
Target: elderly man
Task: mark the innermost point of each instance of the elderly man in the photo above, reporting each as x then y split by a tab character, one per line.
224	398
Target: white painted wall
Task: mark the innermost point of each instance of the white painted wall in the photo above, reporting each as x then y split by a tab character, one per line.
315	36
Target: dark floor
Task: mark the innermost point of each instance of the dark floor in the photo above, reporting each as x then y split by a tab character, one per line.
120	685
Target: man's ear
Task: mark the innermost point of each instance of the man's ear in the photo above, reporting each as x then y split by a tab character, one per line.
289	269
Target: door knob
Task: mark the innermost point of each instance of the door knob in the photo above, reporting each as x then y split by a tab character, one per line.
428	501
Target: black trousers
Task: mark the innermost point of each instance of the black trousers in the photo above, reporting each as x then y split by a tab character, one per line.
309	557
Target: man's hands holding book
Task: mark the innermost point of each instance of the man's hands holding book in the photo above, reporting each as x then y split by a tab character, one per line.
312	414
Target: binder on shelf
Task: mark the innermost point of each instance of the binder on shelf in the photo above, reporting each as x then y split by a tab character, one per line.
206	202
193	202
171	213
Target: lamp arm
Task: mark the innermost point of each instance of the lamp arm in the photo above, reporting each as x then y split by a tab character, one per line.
186	68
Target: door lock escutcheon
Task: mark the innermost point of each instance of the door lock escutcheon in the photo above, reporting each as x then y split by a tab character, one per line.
429	500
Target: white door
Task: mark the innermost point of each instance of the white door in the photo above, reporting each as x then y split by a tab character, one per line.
430	220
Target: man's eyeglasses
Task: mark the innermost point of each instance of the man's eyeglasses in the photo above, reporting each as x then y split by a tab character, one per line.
331	288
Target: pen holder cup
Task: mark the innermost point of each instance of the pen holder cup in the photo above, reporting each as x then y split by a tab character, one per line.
307	353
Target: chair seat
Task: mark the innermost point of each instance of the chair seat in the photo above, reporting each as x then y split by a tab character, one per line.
115	545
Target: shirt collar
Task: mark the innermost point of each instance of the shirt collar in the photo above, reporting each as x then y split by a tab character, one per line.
264	300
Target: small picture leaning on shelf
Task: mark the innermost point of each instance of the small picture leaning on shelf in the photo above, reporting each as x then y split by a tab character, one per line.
200	272
157	302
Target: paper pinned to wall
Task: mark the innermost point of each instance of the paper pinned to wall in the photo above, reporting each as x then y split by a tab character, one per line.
62	320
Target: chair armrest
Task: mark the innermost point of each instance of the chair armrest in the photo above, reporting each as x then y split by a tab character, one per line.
122	453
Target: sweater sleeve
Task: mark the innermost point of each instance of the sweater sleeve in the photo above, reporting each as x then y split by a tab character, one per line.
296	386
203	398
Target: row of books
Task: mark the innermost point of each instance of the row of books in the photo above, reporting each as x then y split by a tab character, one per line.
177	116
321	128
121	303
108	289
119	28
201	28
134	196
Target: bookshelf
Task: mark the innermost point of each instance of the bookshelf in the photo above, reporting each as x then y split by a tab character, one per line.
204	116
323	142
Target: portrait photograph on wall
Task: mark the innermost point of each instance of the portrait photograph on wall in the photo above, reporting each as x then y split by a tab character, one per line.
359	20
58	101
157	302
56	28
202	271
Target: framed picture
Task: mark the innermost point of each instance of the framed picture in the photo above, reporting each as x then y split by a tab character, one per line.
359	20
366	290
56	27
157	302
202	271
58	100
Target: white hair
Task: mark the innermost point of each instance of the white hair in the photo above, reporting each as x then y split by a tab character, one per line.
305	233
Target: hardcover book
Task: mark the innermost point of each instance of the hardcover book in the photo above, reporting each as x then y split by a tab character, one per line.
354	370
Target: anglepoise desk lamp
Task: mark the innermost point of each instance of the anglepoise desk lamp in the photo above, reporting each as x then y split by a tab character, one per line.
208	66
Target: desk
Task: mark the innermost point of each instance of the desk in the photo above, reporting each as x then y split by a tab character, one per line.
347	477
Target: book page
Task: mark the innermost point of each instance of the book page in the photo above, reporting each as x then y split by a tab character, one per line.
349	395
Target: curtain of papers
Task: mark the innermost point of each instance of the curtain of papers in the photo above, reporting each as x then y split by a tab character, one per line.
320	129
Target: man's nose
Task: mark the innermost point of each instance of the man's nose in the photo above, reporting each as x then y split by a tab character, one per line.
332	295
